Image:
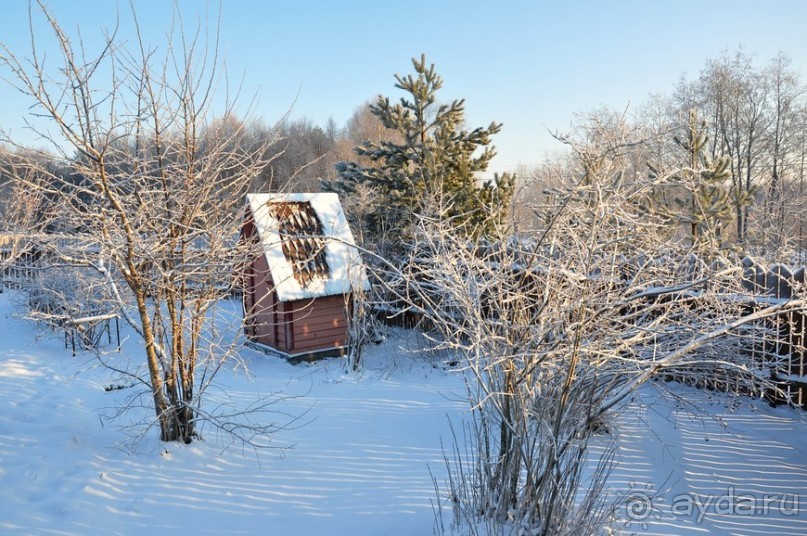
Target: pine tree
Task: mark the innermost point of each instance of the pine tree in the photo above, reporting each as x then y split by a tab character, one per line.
698	194
436	162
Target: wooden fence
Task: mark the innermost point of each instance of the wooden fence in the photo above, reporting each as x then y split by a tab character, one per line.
17	266
784	340
20	266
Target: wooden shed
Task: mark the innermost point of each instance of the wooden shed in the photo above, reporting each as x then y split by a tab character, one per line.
298	289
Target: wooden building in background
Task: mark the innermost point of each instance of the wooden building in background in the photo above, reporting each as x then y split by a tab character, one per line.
298	288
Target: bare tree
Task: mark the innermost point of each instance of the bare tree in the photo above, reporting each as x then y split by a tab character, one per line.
800	192
300	158
786	92
153	200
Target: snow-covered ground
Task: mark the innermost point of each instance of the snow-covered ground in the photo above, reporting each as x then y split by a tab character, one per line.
362	454
696	462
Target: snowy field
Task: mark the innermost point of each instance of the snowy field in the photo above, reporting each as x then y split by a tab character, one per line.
362	453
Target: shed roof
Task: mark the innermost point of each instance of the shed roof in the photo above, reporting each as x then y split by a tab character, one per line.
308	244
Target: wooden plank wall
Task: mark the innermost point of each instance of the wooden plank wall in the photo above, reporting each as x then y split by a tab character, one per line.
319	324
265	315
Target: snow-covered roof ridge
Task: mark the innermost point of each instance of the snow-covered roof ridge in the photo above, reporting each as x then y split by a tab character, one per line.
345	270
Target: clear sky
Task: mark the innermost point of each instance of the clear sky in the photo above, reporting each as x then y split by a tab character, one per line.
531	65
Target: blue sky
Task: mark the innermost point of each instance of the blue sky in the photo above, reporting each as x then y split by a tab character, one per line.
531	65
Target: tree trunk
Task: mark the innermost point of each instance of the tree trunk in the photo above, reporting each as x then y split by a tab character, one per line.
161	406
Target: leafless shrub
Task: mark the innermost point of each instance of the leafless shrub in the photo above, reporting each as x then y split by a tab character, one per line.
556	328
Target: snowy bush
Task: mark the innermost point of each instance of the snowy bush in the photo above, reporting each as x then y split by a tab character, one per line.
556	328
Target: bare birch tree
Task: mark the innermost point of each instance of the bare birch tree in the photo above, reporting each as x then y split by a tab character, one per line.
786	91
152	204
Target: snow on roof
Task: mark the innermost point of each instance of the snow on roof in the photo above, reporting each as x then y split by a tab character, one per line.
308	244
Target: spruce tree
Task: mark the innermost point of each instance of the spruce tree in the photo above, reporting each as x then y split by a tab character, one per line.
435	162
698	195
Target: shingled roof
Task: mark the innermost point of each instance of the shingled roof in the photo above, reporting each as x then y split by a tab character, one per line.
308	244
